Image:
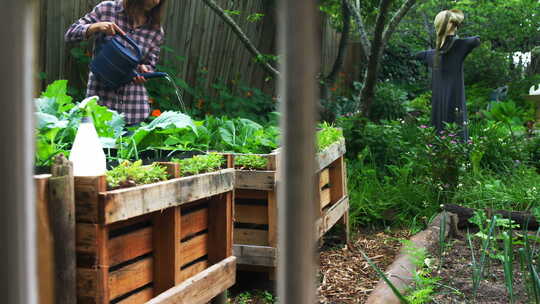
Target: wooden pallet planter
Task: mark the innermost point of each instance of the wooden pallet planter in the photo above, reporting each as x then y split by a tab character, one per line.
134	244
255	228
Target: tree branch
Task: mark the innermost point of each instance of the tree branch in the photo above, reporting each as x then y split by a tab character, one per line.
343	43
364	40
243	37
396	19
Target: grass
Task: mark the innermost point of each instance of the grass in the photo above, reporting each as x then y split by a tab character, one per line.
200	164
129	174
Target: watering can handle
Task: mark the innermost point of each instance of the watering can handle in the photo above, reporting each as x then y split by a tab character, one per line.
133	44
152	75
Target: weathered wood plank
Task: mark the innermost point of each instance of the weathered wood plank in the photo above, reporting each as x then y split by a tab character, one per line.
86	238
220	228
252	214
201	288
325	198
272	219
192	270
330	154
166	242
256	180
194	222
193	249
250	194
337	180
324	177
331	216
140	297
255	255
45	241
62	214
129	246
250	237
86	198
127	203
130	277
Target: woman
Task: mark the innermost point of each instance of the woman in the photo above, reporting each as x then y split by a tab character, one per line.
141	21
446	61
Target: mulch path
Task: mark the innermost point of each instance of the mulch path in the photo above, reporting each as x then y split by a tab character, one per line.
344	276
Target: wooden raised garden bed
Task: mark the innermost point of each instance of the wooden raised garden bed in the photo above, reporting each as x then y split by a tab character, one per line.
255	227
154	242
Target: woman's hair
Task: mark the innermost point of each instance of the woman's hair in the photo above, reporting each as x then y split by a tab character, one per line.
154	16
445	21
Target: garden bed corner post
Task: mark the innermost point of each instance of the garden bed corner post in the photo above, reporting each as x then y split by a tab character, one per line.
296	241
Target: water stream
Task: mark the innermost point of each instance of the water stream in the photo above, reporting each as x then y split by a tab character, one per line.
178	94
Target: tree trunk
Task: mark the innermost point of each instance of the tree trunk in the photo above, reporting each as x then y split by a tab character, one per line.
370	79
331	78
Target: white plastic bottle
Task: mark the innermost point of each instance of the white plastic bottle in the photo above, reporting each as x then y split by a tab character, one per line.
87	153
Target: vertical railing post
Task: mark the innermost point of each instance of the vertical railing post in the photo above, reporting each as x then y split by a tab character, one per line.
17	205
300	60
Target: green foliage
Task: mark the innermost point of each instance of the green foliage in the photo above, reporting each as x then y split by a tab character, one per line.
58	119
129	174
200	164
389	102
251	161
327	136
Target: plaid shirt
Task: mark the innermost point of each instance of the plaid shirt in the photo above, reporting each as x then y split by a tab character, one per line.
130	99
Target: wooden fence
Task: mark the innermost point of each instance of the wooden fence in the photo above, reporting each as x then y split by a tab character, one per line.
193	31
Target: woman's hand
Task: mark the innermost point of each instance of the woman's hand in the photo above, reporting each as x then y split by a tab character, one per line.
108	28
140	79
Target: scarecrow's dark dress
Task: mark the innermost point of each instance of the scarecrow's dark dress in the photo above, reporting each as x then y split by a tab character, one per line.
448	99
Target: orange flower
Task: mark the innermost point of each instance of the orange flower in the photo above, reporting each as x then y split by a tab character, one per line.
151	100
333	89
156	112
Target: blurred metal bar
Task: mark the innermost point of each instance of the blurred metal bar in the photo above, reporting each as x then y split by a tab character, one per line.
299	65
17	209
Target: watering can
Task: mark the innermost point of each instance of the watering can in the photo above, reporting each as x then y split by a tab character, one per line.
115	64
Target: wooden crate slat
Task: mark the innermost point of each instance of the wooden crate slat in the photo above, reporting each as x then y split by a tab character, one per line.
201	288
194	222
255	255
337	180
140	297
331	217
330	154
127	203
324	178
87	283
325	198
250	194
130	277
193	270
45	241
193	249
251	237
252	214
256	180
129	246
166	239
86	238
86	198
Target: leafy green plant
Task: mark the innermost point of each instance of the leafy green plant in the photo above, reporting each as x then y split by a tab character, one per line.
327	136
251	161
200	164
129	174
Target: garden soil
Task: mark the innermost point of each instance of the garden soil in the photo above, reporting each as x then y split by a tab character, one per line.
456	274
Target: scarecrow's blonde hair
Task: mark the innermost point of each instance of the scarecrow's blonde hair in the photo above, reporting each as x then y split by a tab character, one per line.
446	21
